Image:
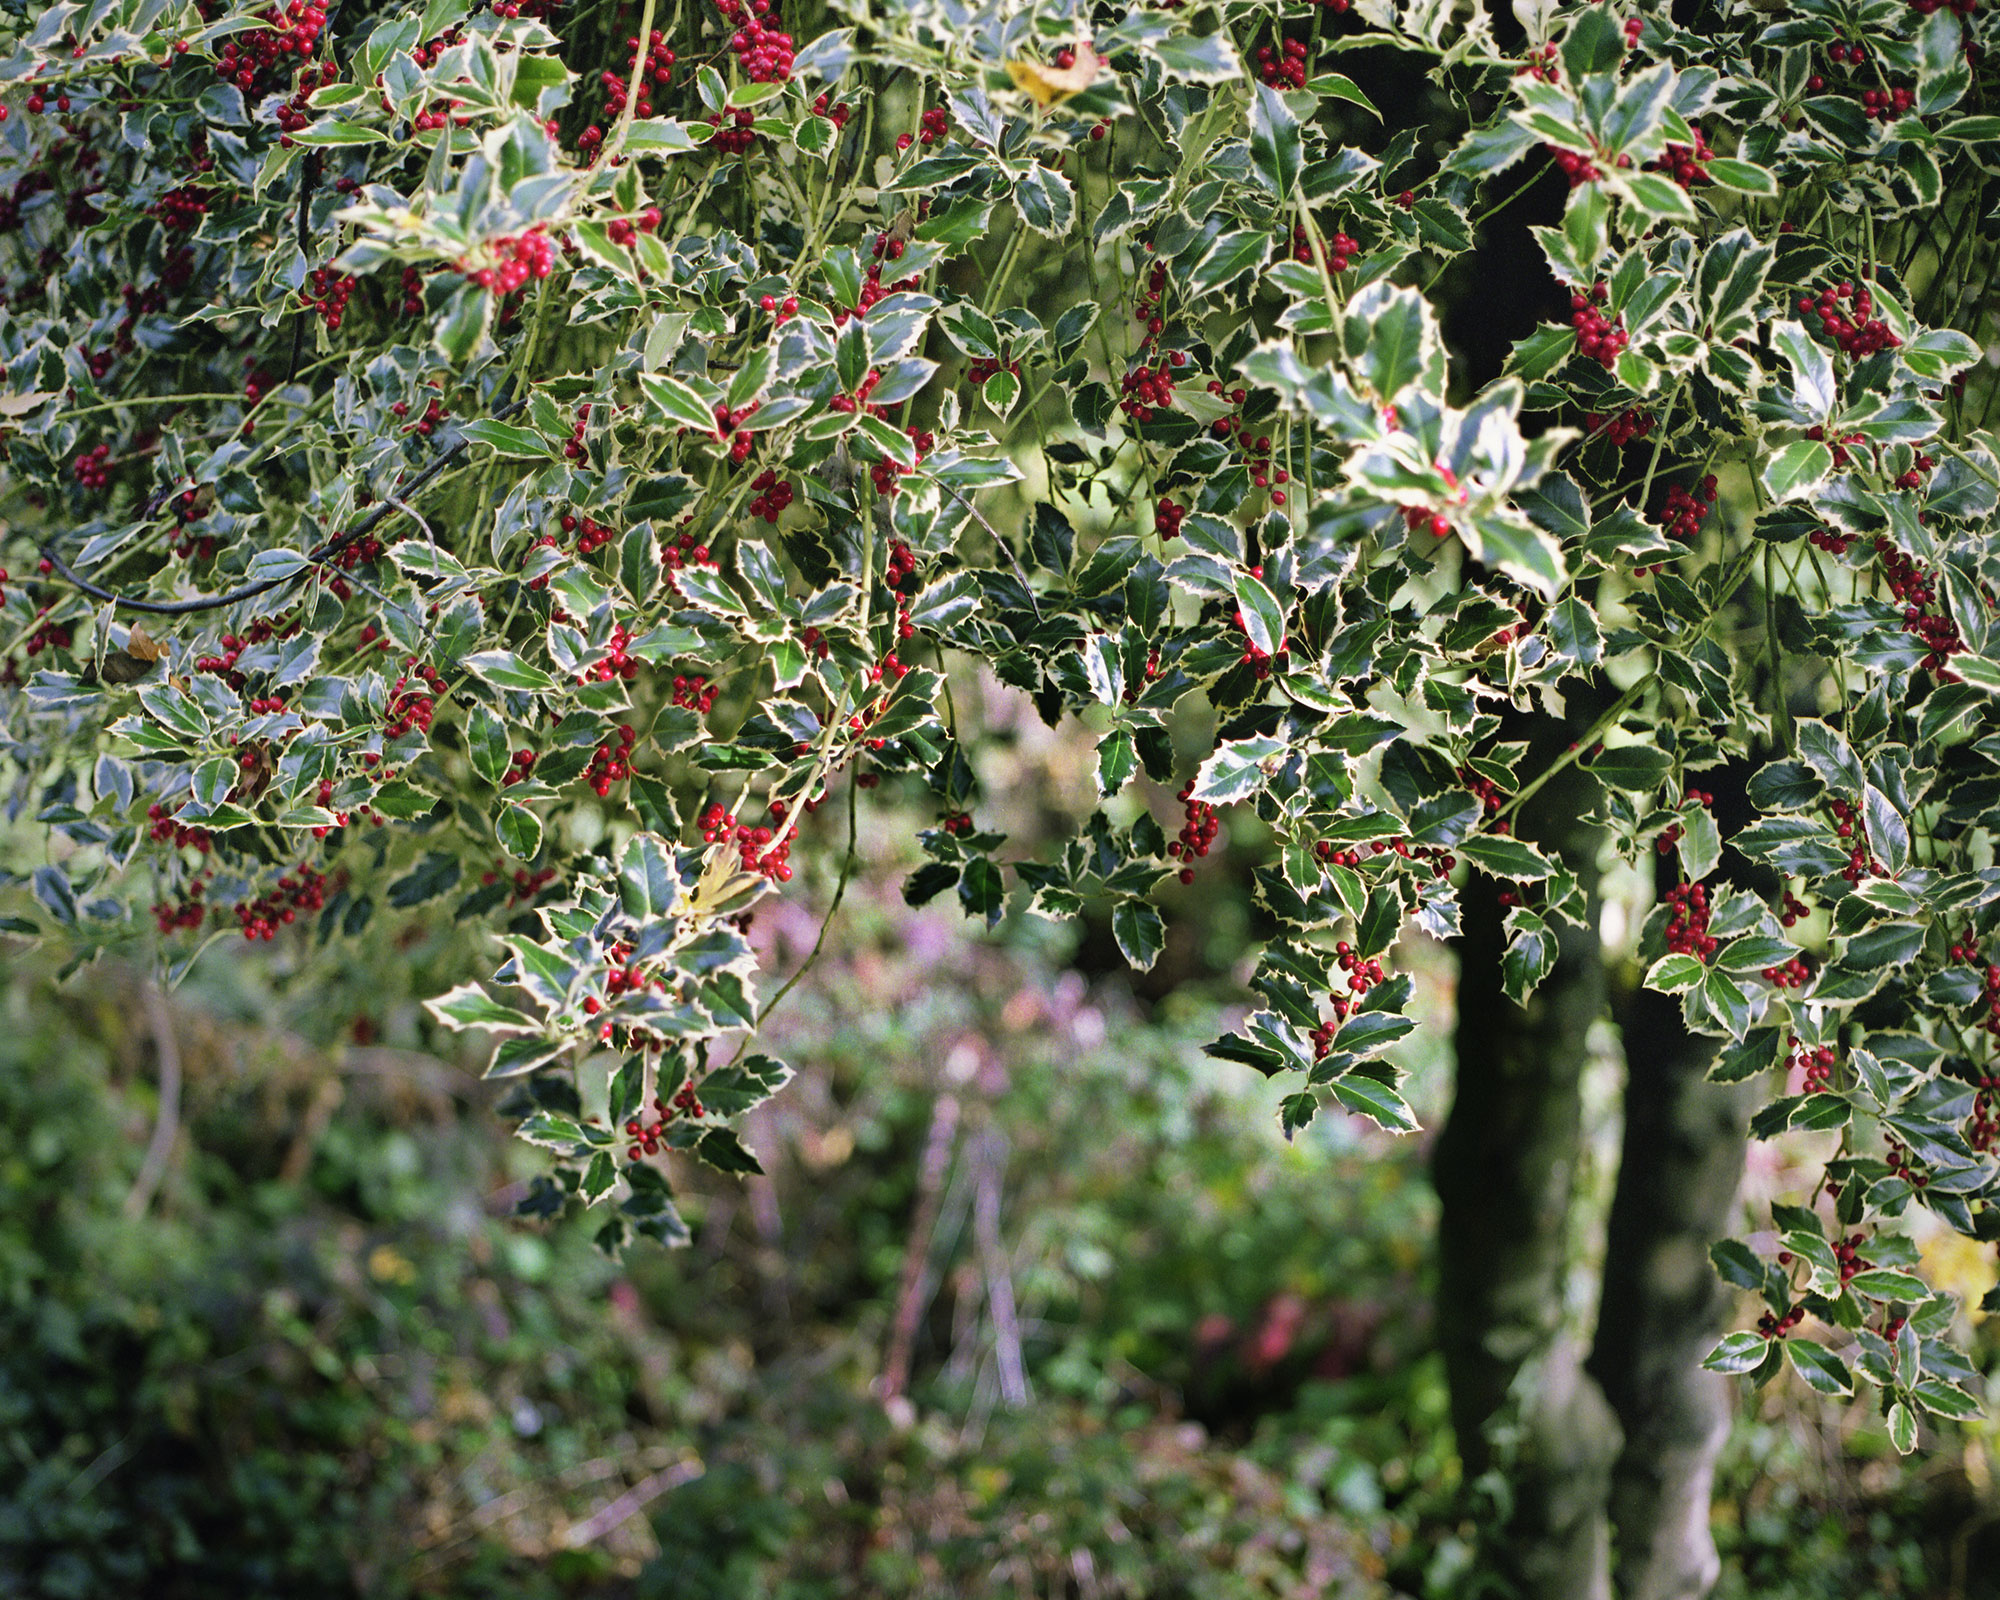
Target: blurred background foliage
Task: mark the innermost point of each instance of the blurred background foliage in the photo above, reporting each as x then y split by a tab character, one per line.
1035	1301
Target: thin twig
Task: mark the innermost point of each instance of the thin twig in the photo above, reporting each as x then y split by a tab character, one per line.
249	591
167	1124
913	1294
615	1513
992	1165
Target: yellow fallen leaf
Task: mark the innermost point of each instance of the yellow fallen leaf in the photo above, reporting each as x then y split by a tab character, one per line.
1048	85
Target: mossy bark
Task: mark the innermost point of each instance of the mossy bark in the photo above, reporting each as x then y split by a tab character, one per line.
1663	1305
1505	1168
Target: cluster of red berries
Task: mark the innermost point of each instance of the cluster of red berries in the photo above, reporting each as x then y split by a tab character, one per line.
1793	909
760	848
1837	444
735	131
1814	1063
529	256
412	291
657	72
1418	518
1886	105
180	210
900	571
1167	518
1362	974
1284	68
618	662
1543	65
1930	626
647	1135
1917	475
252	59
1440	860
764	52
168	829
1772	1326
836	114
1146	309
621	231
1624	428
296	113
1846	315
519	769
848	404
1680	514
1982	1127
1834	544
885	472
435	117
326	292
956	823
262	917
543	541
1147	389
1687	922
682	553
933	127
1897	1159
1336	858
187	914
574	448
1339	249
1148	674
410	706
1579	169
885	248
611	762
434	414
1484	789
1992	1001
1686	164
1598	338
983	367
787	308
48	634
694	693
1199	827
1634	26
592	535
325	798
92	469
773	495
529	884
1792	974
728	420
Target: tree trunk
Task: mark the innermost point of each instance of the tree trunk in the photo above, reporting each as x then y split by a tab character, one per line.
1663	1305
1505	1169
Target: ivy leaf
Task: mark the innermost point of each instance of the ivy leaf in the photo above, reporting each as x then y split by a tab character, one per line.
981	891
1045	201
1277	147
1140	931
1263	617
1796	471
1376	1101
1738	1353
1822	1370
519	831
470	1006
1117	761
1209	59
